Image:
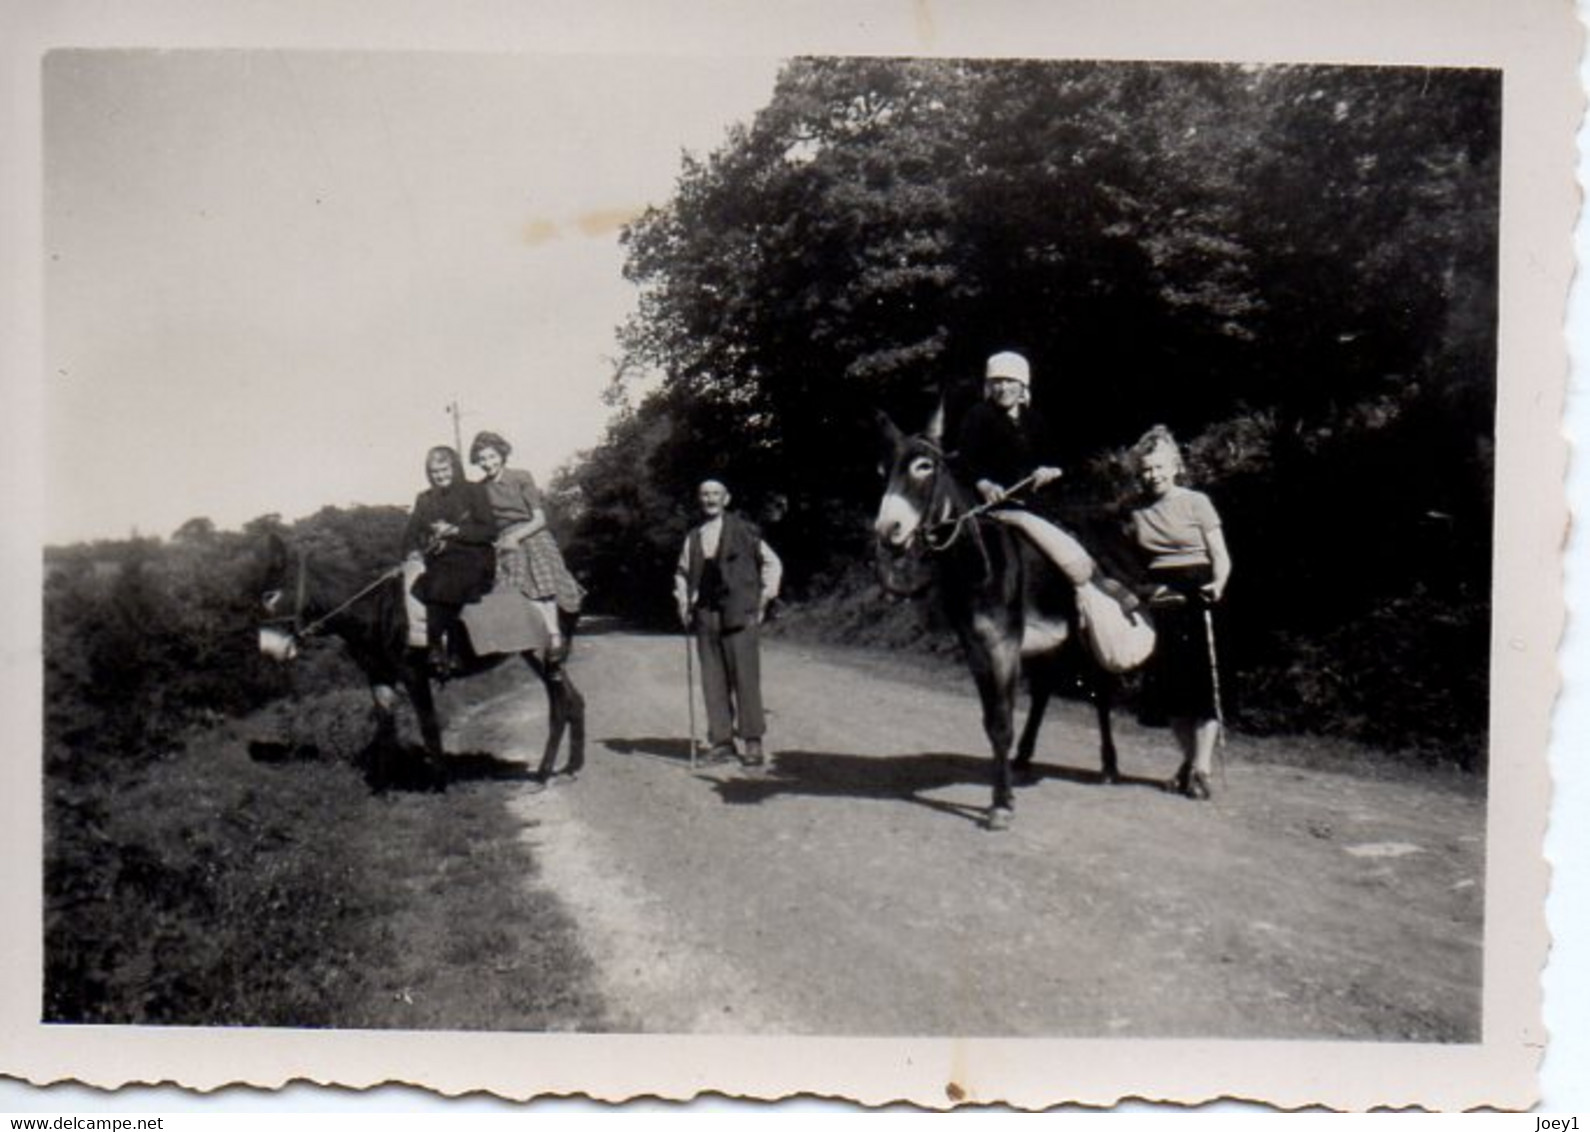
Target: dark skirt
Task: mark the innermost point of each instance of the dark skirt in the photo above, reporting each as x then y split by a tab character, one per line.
458	575
1179	681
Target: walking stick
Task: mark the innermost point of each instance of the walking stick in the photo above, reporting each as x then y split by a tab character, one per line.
690	694
1214	681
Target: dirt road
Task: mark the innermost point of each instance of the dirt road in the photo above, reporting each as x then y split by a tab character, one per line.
851	889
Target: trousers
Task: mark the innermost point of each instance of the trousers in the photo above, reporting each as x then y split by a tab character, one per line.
731	678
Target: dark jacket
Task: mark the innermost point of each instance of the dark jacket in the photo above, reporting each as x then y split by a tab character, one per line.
463	567
991	446
731	581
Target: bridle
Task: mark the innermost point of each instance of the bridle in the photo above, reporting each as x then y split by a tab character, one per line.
298	629
939	502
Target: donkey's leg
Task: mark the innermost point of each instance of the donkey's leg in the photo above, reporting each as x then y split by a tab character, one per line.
1104	686
417	682
552	679
1041	678
996	666
565	715
574	706
378	756
383	706
418	685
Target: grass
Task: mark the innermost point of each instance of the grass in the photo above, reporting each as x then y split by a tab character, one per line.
204	888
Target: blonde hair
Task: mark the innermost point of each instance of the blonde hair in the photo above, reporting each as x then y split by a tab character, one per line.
1152	441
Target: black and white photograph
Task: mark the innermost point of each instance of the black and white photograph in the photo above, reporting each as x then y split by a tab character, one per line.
796	545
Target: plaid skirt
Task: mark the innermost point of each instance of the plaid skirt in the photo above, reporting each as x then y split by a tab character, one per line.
536	569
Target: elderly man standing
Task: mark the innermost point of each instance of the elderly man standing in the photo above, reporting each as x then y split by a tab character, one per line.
725	579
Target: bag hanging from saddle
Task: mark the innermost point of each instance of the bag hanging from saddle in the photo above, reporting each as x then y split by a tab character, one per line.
504	622
1118	640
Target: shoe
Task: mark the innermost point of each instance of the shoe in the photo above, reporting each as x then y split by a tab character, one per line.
721	753
1198	787
753	753
1177	783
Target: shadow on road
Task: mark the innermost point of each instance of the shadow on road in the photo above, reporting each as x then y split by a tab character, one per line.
477	766
670	750
1036	773
832	774
906	777
402	766
827	774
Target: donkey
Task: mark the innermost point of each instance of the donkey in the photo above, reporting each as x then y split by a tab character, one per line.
373	626
1011	608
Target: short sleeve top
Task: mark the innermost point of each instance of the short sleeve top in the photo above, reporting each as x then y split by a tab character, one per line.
1173	530
514	497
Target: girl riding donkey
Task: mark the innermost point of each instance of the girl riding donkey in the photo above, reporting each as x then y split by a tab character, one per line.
528	559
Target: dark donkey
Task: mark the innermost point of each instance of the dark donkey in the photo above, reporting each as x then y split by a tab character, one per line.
1011	607
373	625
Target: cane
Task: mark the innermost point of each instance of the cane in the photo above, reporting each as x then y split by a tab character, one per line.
690	694
1214	681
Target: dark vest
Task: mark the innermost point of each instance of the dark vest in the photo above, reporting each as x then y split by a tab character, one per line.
731	581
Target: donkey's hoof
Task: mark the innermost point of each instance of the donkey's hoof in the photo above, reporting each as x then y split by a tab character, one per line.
1000	817
1022	774
1110	776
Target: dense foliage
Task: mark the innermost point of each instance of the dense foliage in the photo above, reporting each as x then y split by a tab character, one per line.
146	644
1293	267
143	638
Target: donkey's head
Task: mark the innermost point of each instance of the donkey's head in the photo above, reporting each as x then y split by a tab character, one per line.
278	634
914	497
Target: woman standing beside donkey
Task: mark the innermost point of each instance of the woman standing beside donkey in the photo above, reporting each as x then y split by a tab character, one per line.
1179	533
528	558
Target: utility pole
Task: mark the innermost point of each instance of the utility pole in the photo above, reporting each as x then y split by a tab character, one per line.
458	431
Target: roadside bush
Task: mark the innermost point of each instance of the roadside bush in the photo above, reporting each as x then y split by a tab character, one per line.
1403	676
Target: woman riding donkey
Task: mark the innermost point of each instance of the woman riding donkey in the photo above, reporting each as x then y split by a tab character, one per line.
1005	447
451	531
528	558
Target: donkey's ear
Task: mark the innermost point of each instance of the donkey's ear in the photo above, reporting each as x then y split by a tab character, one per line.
273	556
890	432
935	426
893	440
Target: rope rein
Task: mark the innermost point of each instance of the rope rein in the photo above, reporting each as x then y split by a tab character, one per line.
958	524
302	631
385	576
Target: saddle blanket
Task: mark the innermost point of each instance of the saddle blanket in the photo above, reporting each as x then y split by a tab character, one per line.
505	621
502	621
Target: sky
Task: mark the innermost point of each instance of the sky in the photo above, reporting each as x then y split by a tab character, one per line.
269	273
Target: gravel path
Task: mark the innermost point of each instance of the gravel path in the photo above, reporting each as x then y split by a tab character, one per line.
852	889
